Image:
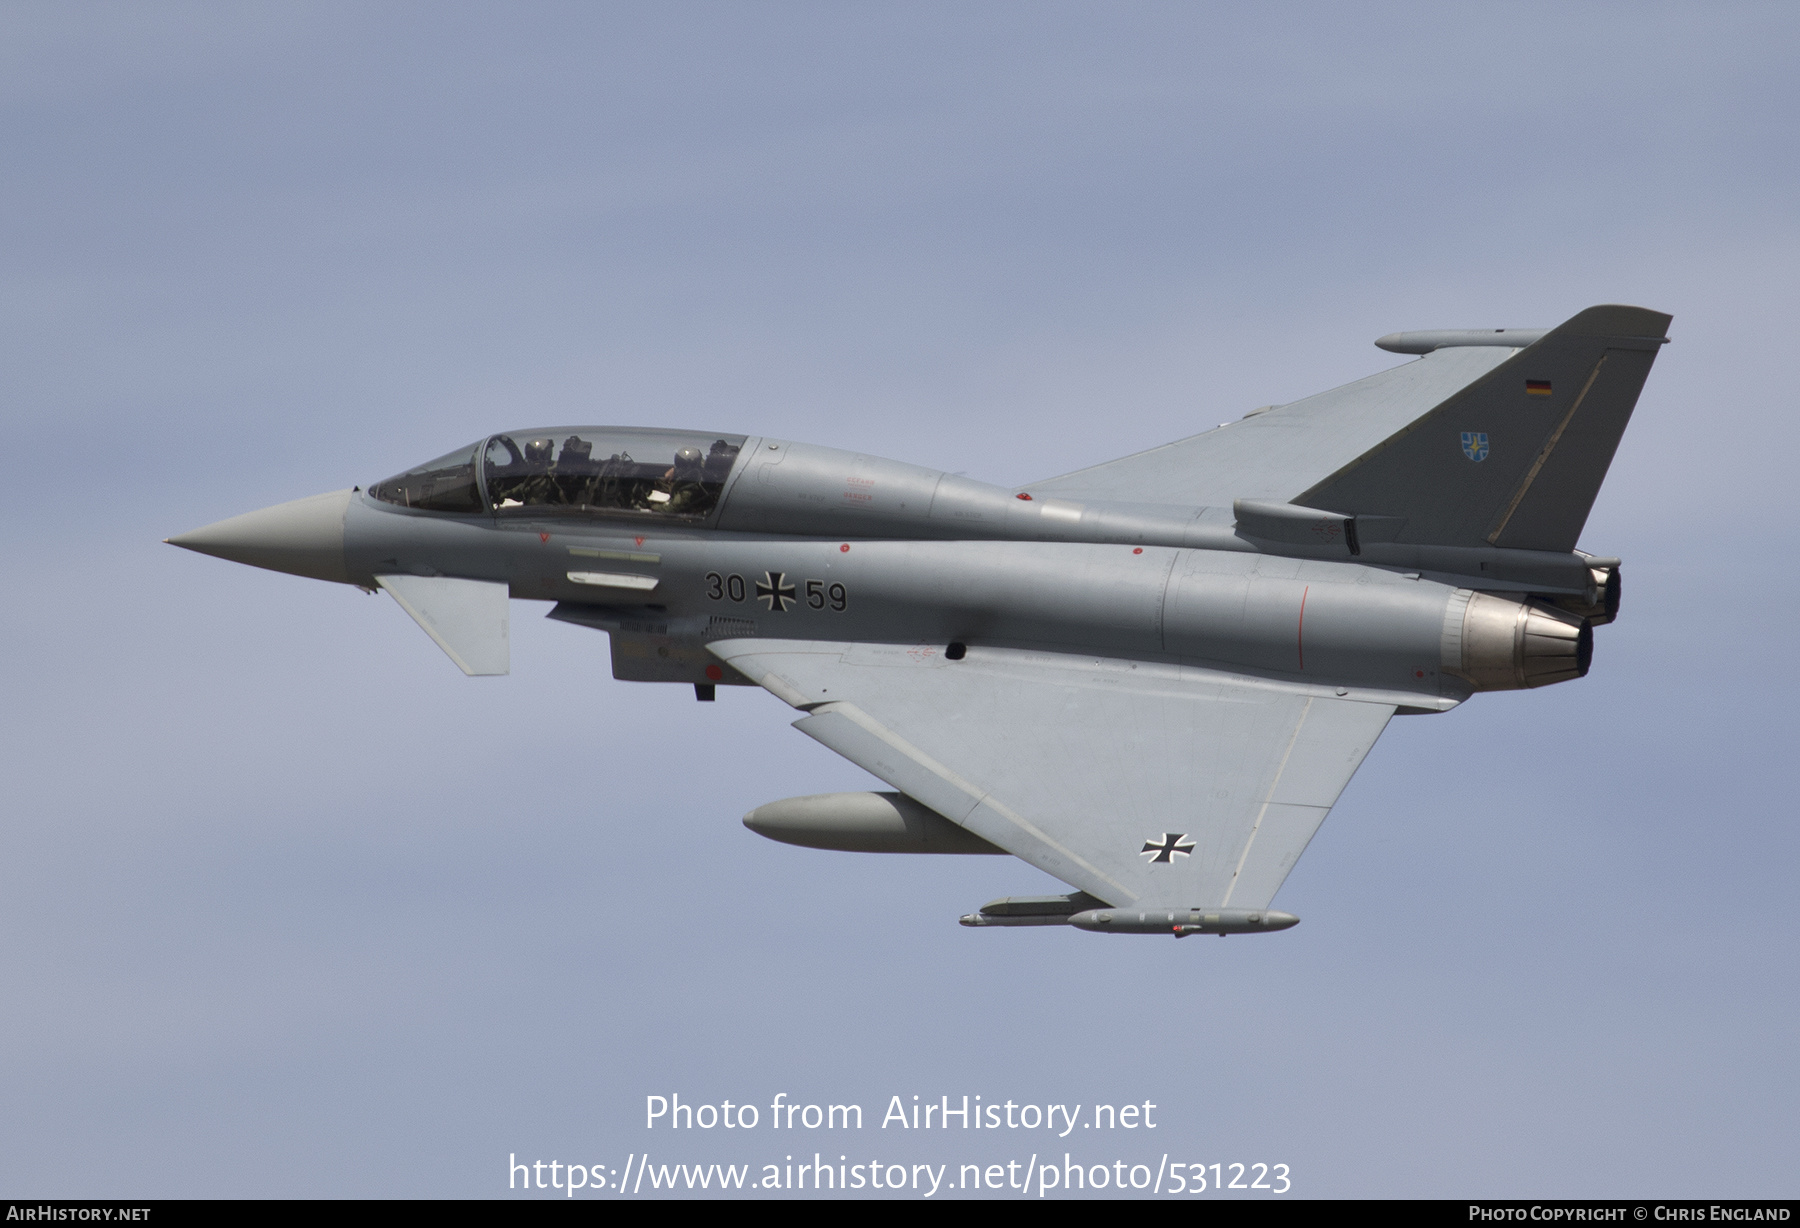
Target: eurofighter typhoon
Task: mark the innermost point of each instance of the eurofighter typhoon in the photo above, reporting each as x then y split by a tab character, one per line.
1151	678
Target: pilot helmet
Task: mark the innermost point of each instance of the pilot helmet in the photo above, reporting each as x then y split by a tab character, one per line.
537	451
687	460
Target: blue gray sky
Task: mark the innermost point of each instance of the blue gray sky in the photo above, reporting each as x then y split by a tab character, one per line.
293	908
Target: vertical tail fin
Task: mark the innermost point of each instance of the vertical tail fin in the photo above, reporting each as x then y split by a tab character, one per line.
1516	458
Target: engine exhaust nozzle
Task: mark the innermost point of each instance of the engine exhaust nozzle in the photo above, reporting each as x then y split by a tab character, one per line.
1501	644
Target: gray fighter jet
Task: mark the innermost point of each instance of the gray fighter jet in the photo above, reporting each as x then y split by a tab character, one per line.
1150	679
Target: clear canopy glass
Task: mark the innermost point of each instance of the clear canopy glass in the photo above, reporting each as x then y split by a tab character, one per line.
616	471
574	471
447	484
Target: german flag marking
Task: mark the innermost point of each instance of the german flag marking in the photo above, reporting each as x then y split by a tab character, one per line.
1537	387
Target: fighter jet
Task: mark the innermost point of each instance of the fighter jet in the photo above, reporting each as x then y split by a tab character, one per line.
1151	678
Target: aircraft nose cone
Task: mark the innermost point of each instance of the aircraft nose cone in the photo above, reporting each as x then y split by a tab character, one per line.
302	538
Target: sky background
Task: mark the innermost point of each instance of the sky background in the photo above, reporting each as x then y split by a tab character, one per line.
293	908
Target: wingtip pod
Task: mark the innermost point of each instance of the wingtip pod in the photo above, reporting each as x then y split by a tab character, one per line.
1056	910
1611	320
1425	341
1183	921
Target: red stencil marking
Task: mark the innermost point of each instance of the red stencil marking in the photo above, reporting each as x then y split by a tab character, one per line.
1023	495
714	672
1138	550
844	549
543	537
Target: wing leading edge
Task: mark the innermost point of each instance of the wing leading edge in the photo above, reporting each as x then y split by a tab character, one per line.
1277	453
1143	785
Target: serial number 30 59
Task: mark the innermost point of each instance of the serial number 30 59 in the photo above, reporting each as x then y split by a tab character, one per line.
777	592
1271	1177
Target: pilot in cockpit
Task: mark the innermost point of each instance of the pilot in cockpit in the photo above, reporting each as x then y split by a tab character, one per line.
680	488
536	485
577	453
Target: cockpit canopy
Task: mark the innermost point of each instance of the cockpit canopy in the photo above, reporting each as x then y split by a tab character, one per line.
447	484
574	471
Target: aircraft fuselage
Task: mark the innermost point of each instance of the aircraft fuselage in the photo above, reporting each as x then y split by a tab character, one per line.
808	543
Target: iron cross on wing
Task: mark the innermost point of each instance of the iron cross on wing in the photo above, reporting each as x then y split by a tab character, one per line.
1166	850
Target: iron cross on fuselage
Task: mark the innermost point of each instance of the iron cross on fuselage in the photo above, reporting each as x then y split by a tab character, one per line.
772	590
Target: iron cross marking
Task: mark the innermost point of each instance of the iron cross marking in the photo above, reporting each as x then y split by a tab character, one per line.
1165	851
772	590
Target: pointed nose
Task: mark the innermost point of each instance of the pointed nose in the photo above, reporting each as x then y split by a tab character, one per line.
303	538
